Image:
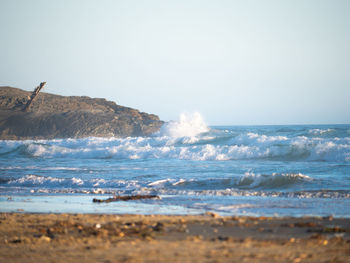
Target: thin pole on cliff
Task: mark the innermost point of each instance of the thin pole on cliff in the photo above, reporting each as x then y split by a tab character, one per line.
34	94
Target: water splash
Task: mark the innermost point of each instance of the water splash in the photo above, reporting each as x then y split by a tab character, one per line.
188	125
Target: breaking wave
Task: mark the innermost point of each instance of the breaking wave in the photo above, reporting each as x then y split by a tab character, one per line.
275	180
37	181
249	185
321	131
248	181
244	146
189	138
329	194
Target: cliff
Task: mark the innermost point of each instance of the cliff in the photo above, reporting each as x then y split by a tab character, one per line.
52	116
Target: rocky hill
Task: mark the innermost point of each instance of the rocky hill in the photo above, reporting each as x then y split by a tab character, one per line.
53	116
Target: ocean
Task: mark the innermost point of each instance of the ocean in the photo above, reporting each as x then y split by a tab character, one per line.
287	170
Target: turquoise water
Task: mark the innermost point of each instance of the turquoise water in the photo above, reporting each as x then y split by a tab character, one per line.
230	170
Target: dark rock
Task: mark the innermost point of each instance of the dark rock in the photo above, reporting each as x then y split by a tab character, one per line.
158	227
15	241
52	116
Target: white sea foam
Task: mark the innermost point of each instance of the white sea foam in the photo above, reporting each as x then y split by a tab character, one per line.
33	180
77	181
36	180
256	138
234	207
320	131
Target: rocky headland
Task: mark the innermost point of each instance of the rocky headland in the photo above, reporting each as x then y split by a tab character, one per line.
52	116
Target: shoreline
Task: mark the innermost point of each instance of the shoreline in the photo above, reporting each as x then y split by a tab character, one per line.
36	237
44	203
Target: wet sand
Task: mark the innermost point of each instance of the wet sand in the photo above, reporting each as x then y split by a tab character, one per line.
138	238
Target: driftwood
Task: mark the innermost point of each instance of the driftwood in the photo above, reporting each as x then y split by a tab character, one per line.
124	198
34	94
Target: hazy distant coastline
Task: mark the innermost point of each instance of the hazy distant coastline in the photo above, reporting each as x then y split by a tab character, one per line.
52	116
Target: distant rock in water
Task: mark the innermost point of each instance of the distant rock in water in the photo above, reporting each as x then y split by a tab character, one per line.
52	116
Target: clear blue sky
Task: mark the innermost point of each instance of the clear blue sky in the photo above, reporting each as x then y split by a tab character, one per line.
236	62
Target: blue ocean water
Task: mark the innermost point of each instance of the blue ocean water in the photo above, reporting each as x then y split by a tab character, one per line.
290	170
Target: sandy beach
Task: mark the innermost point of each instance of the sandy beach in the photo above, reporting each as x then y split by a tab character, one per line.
156	238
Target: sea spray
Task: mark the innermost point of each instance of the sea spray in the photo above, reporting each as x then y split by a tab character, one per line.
188	125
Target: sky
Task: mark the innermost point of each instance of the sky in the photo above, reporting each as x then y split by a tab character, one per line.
246	62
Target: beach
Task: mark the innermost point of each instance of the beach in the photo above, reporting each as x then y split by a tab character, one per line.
28	237
175	131
218	194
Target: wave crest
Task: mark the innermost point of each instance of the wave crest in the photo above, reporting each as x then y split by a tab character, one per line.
190	139
275	180
320	131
